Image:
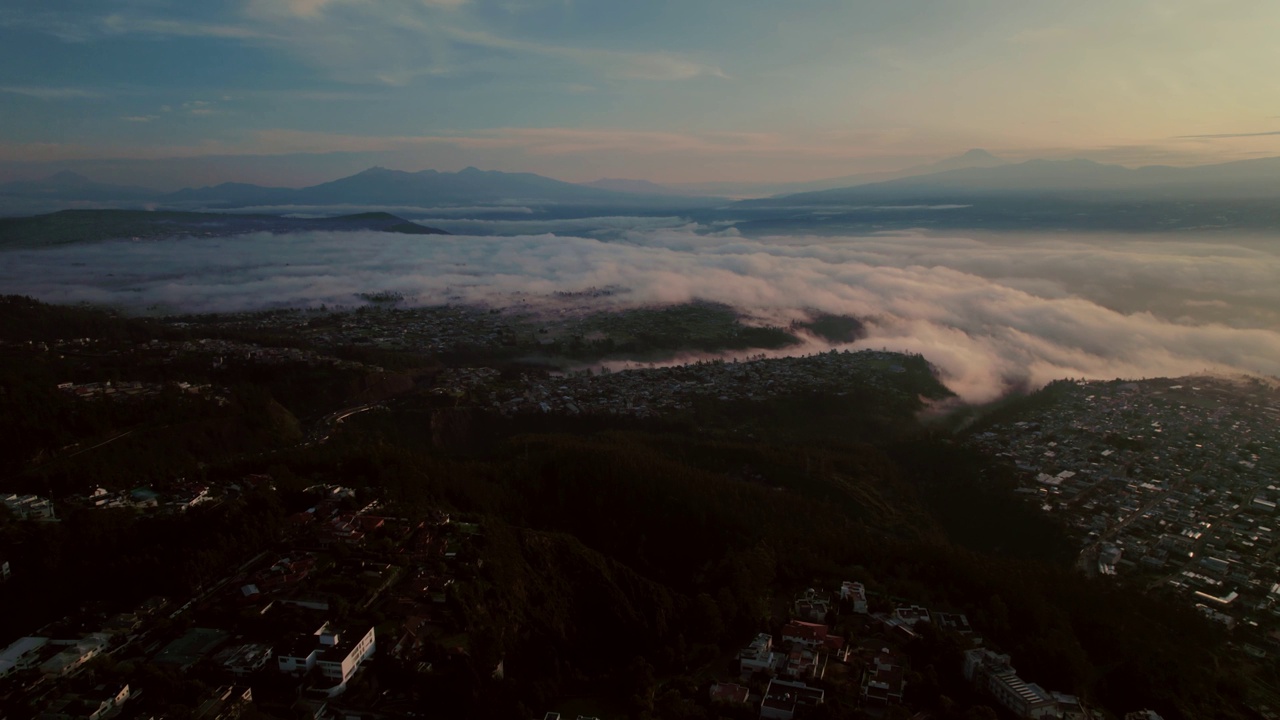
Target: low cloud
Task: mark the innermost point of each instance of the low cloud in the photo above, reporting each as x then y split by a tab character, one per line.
992	314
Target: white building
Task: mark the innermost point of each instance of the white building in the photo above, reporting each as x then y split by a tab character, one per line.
337	654
855	593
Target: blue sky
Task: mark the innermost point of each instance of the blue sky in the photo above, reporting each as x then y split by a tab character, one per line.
297	91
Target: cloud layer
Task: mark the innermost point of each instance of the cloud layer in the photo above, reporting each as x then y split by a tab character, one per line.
992	314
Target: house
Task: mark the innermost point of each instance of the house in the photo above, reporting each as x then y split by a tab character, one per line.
855	593
802	663
955	622
813	605
782	698
912	614
336	653
883	685
758	656
884	680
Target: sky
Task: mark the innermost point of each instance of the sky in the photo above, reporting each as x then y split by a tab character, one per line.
295	92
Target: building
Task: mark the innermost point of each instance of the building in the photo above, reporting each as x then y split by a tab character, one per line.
884	680
22	654
912	615
810	635
782	698
856	594
758	656
195	645
729	693
992	673
225	703
74	655
103	702
29	507
337	654
813	605
244	660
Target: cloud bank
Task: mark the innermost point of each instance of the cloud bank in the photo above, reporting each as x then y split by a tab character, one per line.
992	314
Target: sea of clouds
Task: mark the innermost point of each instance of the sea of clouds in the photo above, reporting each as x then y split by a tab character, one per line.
992	313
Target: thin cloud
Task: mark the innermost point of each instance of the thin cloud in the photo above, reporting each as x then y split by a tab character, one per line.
51	93
1221	136
122	24
634	65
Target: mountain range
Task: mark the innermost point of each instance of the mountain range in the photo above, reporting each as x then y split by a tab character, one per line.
975	174
375	186
1070	179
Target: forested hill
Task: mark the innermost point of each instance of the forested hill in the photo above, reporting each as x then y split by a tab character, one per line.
76	226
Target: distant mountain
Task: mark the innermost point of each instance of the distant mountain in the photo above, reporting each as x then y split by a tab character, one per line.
70	186
428	188
76	226
975	158
1083	179
637	187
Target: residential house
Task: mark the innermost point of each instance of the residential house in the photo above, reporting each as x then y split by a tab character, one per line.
813	606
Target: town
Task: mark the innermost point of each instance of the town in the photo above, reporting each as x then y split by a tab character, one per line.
1173	482
363	594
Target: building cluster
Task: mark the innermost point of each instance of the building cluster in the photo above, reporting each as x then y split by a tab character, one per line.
871	649
137	389
222	351
650	392
437	329
1177	480
277	616
28	507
